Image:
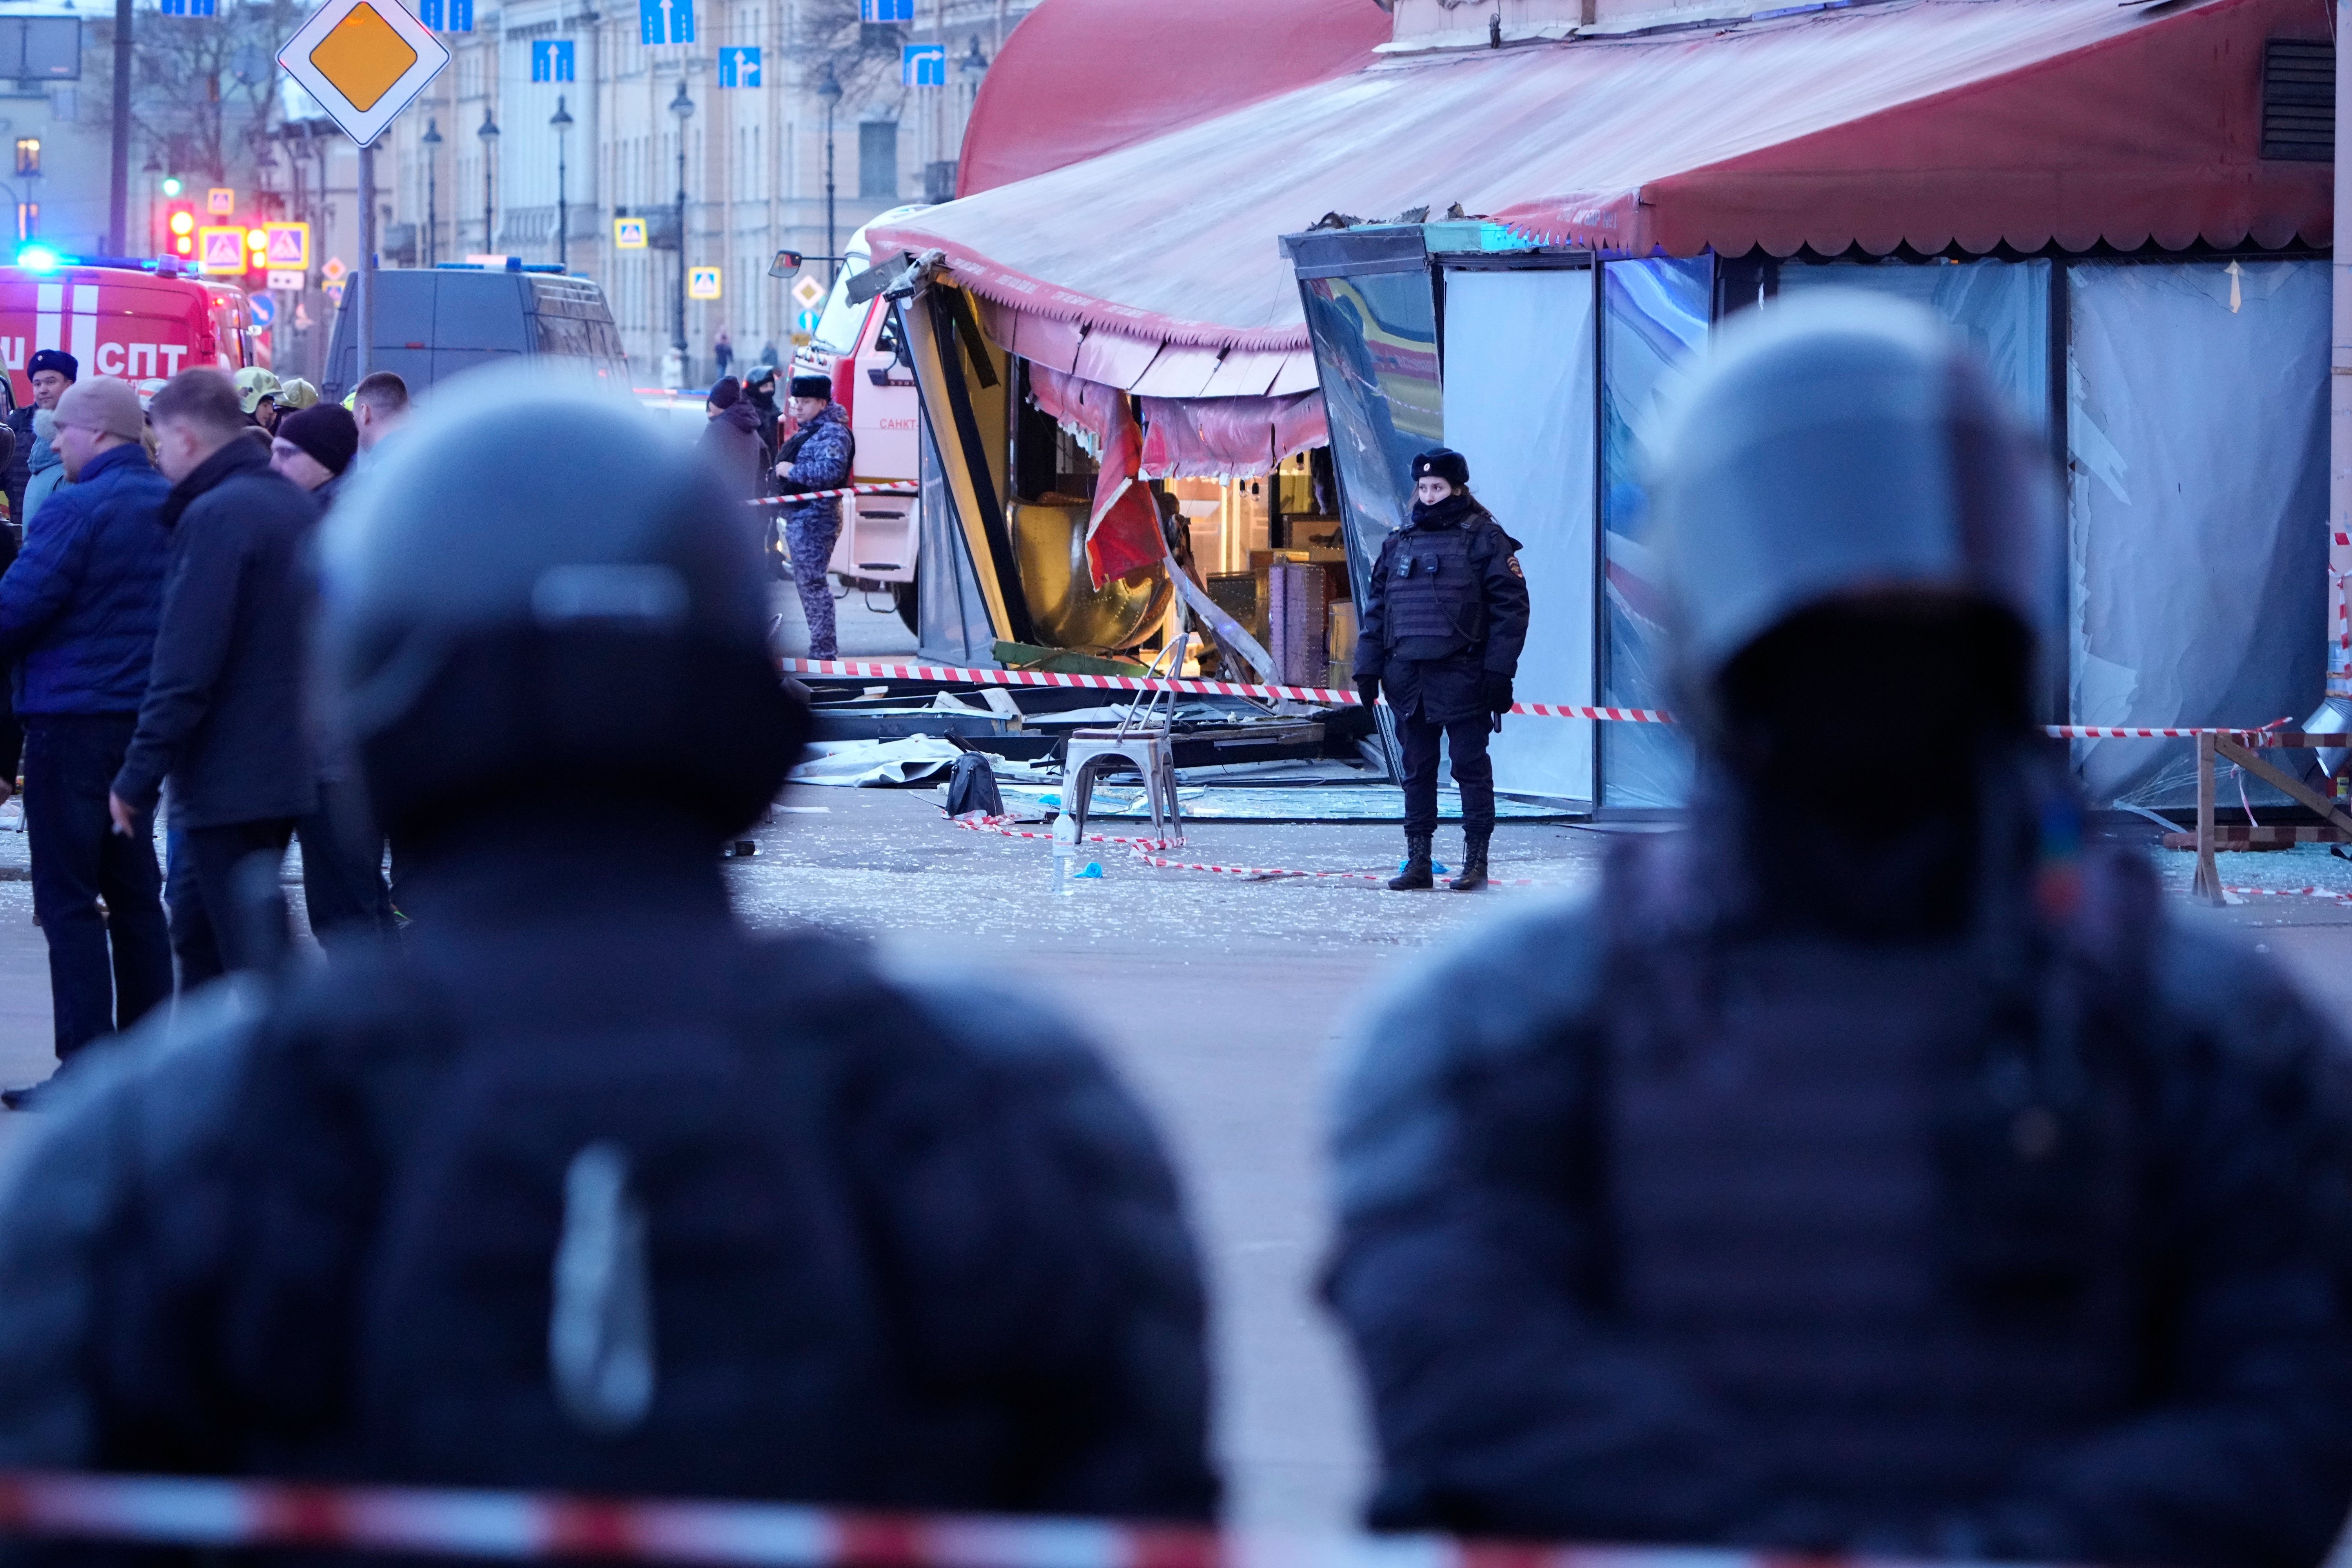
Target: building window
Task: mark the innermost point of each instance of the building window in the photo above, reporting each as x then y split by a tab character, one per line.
28	154
28	219
878	160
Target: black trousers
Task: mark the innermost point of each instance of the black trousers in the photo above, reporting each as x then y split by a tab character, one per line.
206	899
343	867
1473	771
105	970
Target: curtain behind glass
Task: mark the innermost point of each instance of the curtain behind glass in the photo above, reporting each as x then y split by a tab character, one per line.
2001	306
1519	404
2197	425
1656	318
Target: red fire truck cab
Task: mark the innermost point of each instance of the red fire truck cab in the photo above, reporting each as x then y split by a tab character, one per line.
143	327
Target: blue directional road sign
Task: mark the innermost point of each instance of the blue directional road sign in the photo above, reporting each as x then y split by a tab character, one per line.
885	10
666	21
447	15
550	60
739	65
264	310
923	65
188	7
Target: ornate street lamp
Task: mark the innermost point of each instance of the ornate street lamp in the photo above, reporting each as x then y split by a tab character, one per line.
490	135
431	142
682	107
562	123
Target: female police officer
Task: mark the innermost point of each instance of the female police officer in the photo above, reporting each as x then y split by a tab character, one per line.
1442	625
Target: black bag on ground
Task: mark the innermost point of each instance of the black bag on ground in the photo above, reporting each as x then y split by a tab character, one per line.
972	786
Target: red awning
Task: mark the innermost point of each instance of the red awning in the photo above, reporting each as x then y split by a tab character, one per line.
1930	122
1067	85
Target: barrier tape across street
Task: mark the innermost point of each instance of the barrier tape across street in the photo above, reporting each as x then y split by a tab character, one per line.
1142	848
173	1510
2269	735
903	487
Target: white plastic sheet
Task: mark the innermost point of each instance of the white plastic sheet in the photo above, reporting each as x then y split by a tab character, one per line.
2196	423
1519	405
875	763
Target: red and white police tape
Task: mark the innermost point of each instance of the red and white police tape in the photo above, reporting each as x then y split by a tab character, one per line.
902	488
2331	894
872	670
532	1526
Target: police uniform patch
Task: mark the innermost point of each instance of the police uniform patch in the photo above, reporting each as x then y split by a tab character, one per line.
1513	562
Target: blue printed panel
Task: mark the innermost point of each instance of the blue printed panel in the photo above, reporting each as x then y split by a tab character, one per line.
739	65
666	21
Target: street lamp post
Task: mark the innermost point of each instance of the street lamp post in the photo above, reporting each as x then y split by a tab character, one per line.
490	135
562	123
682	107
829	89
431	142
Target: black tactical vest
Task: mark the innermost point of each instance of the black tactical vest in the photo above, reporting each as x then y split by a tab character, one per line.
1433	594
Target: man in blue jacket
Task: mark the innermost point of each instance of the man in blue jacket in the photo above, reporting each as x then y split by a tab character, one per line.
78	611
1874	1168
224	716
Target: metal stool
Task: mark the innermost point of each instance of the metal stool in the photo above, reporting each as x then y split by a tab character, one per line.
1141	741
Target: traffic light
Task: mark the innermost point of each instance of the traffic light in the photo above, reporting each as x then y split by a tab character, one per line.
171	184
180	223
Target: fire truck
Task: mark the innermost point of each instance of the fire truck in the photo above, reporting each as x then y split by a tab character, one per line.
142	322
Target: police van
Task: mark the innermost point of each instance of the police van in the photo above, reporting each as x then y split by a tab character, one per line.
432	322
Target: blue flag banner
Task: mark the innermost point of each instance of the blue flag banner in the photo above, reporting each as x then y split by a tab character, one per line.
885	10
739	65
923	65
666	21
550	60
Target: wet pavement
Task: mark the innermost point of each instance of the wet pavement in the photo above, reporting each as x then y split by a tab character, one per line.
1220	999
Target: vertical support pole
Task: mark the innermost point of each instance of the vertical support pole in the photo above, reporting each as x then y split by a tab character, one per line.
118	198
365	314
2208	884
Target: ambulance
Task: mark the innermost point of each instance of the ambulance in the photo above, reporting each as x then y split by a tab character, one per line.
121	319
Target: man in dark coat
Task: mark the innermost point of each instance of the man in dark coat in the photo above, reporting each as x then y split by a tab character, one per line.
1441	631
1873	1168
759	392
50	371
580	1184
78	612
343	890
730	438
224	716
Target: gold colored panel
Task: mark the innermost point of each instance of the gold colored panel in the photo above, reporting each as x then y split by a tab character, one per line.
1049	547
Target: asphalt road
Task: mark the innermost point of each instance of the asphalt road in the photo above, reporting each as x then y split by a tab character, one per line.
1222	1001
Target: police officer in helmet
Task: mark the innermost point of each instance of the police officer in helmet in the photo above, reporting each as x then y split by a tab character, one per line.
1873	1167
1441	632
580	1185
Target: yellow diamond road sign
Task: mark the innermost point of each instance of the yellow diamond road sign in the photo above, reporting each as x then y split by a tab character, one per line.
364	60
808	291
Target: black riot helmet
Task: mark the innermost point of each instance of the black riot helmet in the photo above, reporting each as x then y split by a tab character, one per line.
535	587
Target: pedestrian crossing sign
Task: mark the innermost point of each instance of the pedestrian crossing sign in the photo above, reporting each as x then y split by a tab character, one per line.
289	248
220	201
808	291
739	65
364	60
628	234
220	250
702	282
666	21
551	59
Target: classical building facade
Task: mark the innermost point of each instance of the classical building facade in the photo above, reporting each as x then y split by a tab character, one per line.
607	142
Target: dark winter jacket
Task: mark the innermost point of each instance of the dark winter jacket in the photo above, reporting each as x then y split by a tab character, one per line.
224	714
20	459
195	1298
1697	1224
820	456
1483	603
731	441
80	608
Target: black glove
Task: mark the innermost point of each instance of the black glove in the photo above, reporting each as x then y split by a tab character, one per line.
1368	686
1498	694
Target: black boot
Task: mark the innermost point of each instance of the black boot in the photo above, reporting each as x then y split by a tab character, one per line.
1416	873
1473	861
